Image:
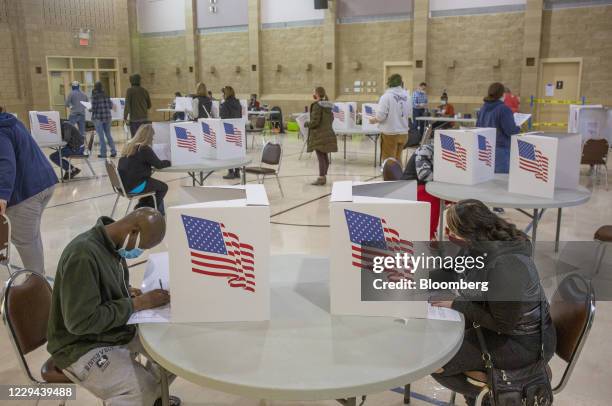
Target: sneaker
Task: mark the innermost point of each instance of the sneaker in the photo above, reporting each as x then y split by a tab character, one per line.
102	156
72	174
498	210
174	401
114	155
321	181
230	175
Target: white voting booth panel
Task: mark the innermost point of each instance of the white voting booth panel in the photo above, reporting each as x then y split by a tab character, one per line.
183	104
541	162
163	151
186	144
245	109
356	213
215	108
118	108
223	139
587	120
368	111
345	115
219	253
465	156
161	132
45	126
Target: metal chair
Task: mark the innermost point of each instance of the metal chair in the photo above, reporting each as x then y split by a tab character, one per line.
84	156
117	185
572	309
25	312
5	243
260	128
595	153
391	169
271	155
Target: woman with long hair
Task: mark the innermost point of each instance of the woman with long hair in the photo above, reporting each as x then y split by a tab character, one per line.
101	107
204	101
230	108
136	166
509	312
321	136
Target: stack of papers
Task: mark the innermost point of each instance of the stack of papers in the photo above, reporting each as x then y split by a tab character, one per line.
156	271
520	118
442	313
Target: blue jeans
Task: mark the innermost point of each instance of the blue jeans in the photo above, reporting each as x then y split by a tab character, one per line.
502	159
66	152
103	128
78	118
420	125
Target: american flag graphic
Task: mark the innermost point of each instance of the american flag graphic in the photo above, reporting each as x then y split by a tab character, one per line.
352	112
485	153
371	237
232	134
185	139
210	137
533	160
45	123
338	113
369	112
122	101
217	252
453	152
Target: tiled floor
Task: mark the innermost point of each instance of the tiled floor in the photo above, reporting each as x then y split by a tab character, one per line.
299	225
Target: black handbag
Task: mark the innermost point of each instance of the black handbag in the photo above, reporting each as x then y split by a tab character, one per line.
528	386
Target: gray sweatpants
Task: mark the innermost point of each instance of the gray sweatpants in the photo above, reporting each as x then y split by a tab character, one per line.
114	375
25	229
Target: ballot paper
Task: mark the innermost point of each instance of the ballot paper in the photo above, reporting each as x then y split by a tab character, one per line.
86	104
156	271
442	313
520	118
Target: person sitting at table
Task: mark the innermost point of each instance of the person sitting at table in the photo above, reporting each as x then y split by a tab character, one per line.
204	101
136	166
510	313
392	118
75	145
230	108
445	109
321	136
253	102
92	301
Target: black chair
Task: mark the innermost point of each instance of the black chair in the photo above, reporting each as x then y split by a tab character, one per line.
271	155
276	119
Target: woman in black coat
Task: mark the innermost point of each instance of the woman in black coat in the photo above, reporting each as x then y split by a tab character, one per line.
230	108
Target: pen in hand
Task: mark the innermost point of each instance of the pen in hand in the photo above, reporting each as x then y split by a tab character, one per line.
160	285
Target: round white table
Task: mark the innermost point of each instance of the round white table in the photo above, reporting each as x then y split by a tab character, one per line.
209	166
373	135
495	193
303	353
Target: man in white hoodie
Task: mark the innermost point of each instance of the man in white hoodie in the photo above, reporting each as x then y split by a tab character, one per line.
392	115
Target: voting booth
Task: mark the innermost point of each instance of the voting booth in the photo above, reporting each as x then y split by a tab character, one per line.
222	139
368	111
215	108
219	252
590	121
183	104
245	109
365	217
345	115
118	108
465	156
541	162
186	144
45	127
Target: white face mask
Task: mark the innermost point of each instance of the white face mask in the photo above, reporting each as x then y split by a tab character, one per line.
443	102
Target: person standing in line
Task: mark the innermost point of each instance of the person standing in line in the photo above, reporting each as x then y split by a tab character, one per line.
137	104
27	182
419	106
321	136
101	106
511	100
77	109
204	101
392	118
230	108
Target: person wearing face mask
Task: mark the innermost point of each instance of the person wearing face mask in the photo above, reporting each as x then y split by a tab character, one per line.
321	136
445	109
88	335
495	114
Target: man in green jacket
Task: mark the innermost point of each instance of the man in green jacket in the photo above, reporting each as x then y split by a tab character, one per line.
92	302
137	104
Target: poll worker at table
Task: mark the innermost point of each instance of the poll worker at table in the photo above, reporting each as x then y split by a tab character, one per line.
75	145
419	106
445	109
204	101
510	312
230	108
101	106
253	102
321	136
392	118
136	166
137	104
88	335
77	109
27	182
495	114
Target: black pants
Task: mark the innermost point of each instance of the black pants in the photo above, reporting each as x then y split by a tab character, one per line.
323	158
160	189
420	125
135	125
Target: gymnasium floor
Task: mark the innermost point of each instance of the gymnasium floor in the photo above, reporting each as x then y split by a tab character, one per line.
299	225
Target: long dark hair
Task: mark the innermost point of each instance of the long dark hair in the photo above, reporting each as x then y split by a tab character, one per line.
320	91
495	92
98	89
472	220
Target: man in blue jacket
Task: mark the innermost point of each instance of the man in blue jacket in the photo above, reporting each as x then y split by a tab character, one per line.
495	114
27	182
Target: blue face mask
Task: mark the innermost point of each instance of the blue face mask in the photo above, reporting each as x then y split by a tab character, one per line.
134	252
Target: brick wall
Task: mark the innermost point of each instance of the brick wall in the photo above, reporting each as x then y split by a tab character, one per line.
225	51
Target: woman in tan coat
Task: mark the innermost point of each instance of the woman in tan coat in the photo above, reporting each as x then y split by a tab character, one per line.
321	136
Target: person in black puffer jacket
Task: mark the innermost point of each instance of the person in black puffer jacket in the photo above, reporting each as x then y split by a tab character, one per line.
509	313
230	108
74	146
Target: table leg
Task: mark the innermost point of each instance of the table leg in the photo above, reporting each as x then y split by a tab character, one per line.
534	230
201	178
59	150
193	178
344	139
243	176
407	394
376	157
348	401
165	389
441	221
558	229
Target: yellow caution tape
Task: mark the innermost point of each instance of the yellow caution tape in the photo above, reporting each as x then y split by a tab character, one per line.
550	124
553	101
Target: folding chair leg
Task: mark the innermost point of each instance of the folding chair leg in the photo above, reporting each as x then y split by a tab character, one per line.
128	208
279	186
91	168
263	179
155	203
407	394
451	402
114	206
